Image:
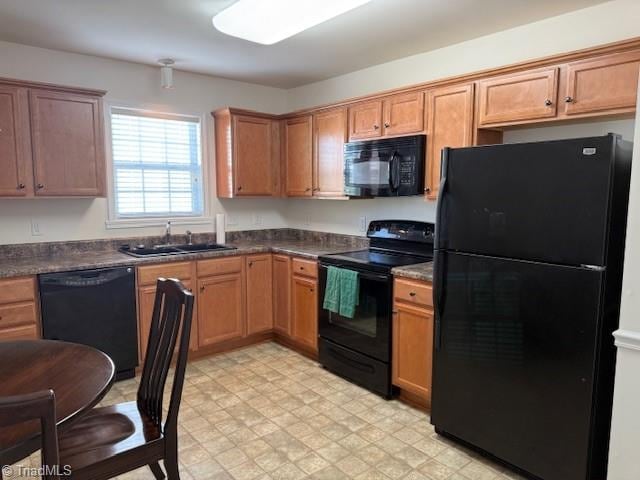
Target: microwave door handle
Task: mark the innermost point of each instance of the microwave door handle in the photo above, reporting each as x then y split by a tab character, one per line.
392	171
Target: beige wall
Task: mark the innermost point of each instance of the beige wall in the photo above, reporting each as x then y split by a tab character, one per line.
128	84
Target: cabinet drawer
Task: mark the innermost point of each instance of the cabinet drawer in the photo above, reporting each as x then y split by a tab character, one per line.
18	314
149	275
17	290
25	332
413	292
219	266
308	268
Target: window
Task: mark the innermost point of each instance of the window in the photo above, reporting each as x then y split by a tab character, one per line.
157	166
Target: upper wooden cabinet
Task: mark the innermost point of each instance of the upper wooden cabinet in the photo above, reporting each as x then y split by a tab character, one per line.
604	83
298	152
365	120
450	124
259	293
51	141
247	154
404	114
67	142
329	137
395	115
518	97
15	143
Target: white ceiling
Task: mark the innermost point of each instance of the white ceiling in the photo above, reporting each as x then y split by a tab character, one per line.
146	30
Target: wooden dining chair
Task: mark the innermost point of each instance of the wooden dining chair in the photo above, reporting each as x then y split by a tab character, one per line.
35	406
113	440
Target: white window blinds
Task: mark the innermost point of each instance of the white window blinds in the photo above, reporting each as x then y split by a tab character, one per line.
157	165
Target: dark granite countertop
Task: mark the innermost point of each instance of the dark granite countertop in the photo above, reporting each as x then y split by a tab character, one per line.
419	271
67	260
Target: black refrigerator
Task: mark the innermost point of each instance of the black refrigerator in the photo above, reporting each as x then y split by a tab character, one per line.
528	270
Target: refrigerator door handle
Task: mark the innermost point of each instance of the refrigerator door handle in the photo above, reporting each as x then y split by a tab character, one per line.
439	266
440	227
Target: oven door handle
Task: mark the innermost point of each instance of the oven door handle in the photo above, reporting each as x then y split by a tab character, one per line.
361	274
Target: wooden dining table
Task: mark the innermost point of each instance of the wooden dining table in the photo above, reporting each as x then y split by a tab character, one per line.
80	376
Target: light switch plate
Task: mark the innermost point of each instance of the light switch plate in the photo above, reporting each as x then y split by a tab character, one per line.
35	228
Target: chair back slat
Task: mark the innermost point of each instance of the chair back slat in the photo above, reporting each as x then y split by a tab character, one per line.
172	312
36	406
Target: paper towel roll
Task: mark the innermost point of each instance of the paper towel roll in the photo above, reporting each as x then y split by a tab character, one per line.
220	228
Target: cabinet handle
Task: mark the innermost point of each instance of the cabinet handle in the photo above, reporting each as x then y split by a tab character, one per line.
548	102
40	186
250	264
387	125
239	188
395	312
301	268
412	294
376	127
202	288
427	190
21	186
568	99
307	189
316	189
311	290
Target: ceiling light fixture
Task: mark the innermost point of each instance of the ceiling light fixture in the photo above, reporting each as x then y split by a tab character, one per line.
270	21
166	72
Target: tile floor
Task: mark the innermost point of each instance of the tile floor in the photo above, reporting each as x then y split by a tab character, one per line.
266	412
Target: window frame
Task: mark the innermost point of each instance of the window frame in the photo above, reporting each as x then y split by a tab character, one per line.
113	220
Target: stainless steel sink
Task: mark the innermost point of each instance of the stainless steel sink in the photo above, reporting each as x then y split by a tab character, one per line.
162	250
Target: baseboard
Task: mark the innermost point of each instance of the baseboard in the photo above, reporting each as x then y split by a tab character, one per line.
416	401
229	345
296	346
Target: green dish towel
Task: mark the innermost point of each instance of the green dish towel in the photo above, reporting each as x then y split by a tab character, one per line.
332	290
349	292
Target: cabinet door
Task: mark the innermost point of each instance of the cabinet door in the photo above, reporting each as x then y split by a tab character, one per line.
404	114
329	137
281	294
253	156
605	83
518	98
412	349
68	144
146	299
259	293
15	143
450	125
220	308
365	120
304	310
298	137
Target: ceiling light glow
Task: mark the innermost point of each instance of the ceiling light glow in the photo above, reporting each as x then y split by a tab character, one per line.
270	21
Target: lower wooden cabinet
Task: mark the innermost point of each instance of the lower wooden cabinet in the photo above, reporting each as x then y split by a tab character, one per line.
412	343
220	308
304	310
259	293
281	294
18	309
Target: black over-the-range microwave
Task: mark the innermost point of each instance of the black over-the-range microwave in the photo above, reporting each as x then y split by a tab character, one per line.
392	167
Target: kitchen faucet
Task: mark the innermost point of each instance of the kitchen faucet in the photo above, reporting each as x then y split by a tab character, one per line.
189	237
167	234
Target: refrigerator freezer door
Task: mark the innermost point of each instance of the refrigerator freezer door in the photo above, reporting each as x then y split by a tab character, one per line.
545	201
514	361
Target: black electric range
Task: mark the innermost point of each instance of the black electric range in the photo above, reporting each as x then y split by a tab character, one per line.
359	348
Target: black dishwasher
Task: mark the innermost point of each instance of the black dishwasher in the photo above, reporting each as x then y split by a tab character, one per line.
95	308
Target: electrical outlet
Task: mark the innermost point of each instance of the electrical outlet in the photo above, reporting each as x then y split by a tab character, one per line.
362	222
35	228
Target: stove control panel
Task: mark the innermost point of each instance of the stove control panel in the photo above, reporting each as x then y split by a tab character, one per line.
404	230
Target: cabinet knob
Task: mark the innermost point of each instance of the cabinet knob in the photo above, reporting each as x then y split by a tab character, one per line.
40	186
387	125
376	127
395	312
427	190
250	264
21	186
568	99
548	102
202	288
311	290
307	189
412	294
